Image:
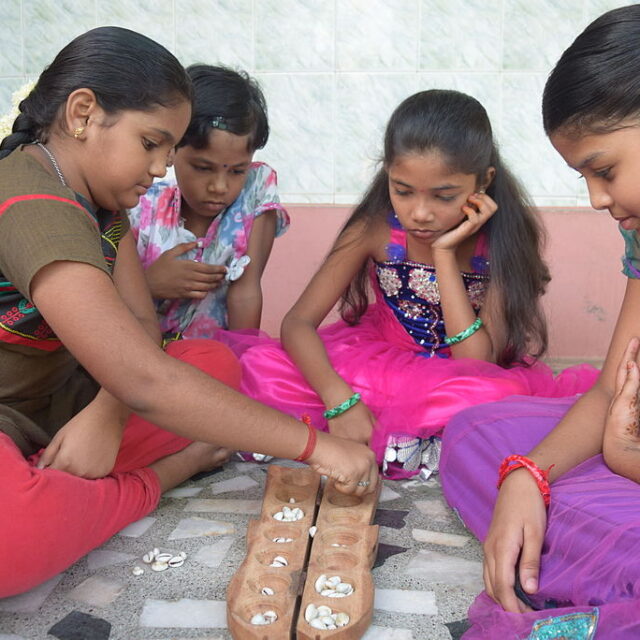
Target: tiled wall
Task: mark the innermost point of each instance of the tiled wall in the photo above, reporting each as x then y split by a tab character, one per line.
333	70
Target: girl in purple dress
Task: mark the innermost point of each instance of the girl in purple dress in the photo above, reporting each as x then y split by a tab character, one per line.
572	547
451	250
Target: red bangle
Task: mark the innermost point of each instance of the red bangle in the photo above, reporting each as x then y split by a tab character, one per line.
311	440
539	475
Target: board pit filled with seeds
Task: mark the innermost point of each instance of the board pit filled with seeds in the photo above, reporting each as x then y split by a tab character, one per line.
307	572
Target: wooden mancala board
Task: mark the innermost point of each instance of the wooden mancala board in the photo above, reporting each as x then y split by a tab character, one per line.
295	585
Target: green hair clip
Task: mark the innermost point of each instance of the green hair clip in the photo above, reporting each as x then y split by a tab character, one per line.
219	122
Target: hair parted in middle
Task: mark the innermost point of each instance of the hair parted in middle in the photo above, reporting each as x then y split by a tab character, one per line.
457	126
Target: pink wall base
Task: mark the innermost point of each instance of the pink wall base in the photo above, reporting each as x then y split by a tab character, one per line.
583	252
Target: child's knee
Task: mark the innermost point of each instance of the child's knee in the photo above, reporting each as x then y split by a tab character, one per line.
210	356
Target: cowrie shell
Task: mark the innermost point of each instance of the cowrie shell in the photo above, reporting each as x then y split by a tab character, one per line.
148	558
267	591
271	616
279	515
258	619
281	560
163	557
342	619
176	562
326	592
137	571
313	530
324	611
320	582
316	623
159	566
310	612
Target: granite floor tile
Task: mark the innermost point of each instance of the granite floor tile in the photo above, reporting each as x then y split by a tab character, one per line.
97	591
233	484
251	507
213	554
196	527
32	600
182	492
184	614
439	537
384	633
447	569
138	528
101	558
405	601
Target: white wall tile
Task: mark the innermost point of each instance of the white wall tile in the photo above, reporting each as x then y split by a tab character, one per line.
294	35
377	35
461	35
215	32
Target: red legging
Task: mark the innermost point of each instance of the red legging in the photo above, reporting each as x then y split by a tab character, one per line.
50	518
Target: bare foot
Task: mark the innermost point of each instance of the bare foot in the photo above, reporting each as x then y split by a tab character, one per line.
197	457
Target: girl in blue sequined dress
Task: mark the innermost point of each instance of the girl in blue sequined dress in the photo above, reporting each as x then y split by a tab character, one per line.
448	247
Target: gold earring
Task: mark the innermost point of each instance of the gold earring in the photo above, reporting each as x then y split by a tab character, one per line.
77	132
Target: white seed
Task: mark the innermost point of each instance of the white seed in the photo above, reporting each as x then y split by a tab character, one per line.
316	623
310	612
267	591
163	557
320	582
176	561
258	619
342	619
137	571
159	566
292	500
148	558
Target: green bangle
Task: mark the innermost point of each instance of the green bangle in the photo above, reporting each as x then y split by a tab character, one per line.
341	408
464	334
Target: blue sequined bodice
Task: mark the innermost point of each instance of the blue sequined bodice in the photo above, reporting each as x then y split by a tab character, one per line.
410	289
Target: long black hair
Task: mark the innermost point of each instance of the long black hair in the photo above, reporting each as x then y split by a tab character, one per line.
125	70
457	126
595	85
230	99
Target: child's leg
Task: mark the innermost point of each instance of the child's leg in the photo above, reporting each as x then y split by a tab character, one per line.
593	520
51	518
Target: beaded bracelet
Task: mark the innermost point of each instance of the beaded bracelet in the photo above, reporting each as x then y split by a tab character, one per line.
464	334
539	475
311	440
342	407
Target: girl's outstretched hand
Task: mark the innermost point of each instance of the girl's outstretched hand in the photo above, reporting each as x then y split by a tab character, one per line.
621	443
479	208
355	424
518	526
352	465
169	277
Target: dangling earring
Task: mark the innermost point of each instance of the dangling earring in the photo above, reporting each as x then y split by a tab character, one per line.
77	132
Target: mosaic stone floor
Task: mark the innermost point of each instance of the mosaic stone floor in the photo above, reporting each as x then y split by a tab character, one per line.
427	572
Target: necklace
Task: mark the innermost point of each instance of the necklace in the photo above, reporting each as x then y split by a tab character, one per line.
53	162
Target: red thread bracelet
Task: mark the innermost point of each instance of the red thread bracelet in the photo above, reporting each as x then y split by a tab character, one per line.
311	440
539	475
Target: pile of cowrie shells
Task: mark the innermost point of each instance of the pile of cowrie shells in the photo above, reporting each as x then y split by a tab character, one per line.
268	617
289	515
333	587
323	618
160	561
279	561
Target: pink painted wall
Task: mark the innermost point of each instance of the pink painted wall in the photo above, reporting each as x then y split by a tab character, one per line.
583	251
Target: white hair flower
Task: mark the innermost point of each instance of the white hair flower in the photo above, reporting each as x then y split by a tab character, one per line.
7	120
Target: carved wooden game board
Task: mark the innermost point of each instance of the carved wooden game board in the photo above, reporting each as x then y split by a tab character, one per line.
284	564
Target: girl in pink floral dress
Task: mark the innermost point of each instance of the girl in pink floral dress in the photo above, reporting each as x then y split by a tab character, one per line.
452	254
204	236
